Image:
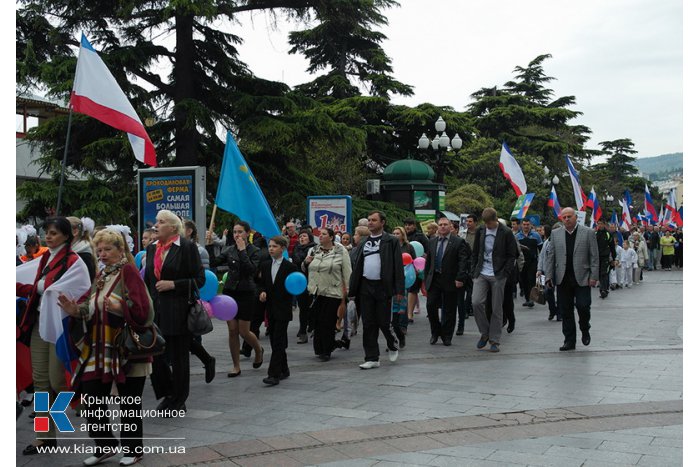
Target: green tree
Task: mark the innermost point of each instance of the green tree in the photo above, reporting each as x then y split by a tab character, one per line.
620	164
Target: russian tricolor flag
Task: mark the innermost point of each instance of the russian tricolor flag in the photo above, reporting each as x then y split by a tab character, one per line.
592	203
553	202
649	209
96	93
512	171
576	183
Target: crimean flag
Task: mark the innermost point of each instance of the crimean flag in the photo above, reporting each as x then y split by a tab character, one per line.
553	202
240	194
511	170
626	220
672	207
579	195
649	209
96	93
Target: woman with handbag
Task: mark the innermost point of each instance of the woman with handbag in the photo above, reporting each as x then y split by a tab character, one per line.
35	281
118	297
329	270
173	269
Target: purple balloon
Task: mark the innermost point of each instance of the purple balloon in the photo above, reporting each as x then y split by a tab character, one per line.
224	307
207	307
143	273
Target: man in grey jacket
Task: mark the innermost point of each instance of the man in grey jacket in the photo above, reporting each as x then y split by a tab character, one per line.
572	264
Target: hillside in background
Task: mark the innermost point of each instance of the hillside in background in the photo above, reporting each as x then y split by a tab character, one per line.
660	167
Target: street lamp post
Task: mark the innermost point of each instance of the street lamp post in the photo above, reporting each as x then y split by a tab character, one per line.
441	145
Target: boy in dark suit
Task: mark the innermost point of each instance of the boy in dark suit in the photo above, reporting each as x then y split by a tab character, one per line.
279	307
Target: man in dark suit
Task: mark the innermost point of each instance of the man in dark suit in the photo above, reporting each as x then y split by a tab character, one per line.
572	264
279	307
446	271
493	261
377	276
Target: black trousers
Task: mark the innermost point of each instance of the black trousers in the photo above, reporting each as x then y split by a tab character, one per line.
508	301
278	342
305	322
131	440
255	323
604	274
198	350
527	278
325	309
376	316
570	294
439	296
175	382
464	303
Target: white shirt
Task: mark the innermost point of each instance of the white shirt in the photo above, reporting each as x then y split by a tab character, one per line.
489	241
276	263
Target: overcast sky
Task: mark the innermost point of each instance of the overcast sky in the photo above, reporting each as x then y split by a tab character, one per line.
621	59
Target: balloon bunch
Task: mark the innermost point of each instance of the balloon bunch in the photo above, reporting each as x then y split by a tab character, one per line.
221	307
414	268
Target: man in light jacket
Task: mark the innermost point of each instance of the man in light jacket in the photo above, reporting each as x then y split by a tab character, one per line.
572	265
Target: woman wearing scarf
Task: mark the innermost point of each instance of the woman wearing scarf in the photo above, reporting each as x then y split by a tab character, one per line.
59	269
173	266
118	296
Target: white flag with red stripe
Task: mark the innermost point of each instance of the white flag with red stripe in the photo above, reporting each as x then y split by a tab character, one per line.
96	93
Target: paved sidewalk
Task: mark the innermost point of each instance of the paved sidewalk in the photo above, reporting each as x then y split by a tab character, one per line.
615	402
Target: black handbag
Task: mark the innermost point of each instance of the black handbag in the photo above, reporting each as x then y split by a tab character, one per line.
198	321
138	342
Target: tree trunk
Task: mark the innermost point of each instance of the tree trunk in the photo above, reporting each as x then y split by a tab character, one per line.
186	137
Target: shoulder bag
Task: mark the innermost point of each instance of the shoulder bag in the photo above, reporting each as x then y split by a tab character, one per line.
198	321
136	342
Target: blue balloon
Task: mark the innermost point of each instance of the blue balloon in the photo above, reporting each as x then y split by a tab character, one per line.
409	273
210	287
421	274
295	283
138	258
418	248
285	254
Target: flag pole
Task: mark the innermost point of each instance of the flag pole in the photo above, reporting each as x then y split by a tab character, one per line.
64	162
211	222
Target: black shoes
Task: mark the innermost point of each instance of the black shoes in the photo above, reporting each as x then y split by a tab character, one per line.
284	375
585	337
460	331
566	347
402	340
529	304
302	338
433	340
447	341
271	381
164	404
210	370
31	449
551	316
511	327
603	294
259	364
246	352
324	357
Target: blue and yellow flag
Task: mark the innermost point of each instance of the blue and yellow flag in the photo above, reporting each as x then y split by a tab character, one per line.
240	194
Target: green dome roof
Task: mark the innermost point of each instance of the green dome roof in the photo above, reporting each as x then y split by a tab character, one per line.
408	169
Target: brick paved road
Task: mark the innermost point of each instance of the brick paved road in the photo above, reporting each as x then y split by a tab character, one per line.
616	402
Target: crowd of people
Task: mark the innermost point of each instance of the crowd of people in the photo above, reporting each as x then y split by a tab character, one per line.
352	278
